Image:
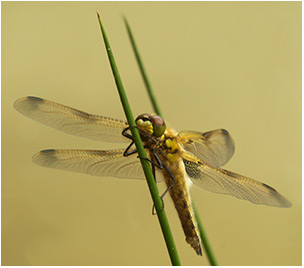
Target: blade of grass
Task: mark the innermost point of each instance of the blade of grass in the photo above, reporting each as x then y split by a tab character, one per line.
157	110
142	154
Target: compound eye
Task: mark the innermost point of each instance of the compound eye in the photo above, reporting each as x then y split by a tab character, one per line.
152	124
143	122
159	125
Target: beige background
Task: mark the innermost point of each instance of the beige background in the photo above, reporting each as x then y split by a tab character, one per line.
213	65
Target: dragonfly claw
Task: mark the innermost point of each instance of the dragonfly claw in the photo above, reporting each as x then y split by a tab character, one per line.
162	208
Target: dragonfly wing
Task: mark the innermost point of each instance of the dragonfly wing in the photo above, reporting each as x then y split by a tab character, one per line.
215	148
110	163
72	121
226	182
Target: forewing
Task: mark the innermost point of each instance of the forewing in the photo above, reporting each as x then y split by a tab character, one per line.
226	182
72	121
110	163
214	148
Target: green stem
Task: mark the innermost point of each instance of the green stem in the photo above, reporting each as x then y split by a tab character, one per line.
143	72
156	108
142	154
203	235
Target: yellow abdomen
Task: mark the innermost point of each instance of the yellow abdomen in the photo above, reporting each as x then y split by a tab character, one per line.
181	199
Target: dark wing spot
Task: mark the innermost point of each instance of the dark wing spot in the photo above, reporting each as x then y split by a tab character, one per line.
224	131
192	169
80	113
189	141
34	98
270	188
47	151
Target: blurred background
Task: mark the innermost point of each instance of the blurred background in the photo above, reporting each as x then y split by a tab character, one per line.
232	65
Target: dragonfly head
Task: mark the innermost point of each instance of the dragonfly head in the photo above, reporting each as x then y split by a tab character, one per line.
152	124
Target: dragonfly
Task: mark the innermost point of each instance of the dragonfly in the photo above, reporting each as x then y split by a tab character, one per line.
178	158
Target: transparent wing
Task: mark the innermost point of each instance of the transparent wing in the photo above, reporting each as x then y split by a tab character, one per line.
110	163
226	182
72	121
214	148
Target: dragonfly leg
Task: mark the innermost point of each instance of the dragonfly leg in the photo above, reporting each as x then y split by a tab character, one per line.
153	163
173	181
161	166
147	135
163	204
125	134
163	207
127	152
142	132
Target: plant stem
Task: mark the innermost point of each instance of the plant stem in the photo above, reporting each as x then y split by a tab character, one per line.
143	72
142	154
203	235
157	110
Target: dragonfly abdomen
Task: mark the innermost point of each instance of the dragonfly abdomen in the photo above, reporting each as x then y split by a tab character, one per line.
181	199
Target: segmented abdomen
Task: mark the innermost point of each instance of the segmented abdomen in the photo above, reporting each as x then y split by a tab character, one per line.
181	199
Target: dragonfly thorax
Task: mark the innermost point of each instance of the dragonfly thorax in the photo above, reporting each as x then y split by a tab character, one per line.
151	124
